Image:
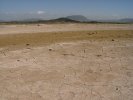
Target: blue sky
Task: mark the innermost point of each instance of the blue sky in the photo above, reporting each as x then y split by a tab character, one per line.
47	9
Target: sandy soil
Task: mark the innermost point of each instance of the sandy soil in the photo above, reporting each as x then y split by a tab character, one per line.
34	28
81	65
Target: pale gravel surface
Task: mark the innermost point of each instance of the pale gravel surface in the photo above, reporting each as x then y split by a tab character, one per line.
86	70
34	28
93	69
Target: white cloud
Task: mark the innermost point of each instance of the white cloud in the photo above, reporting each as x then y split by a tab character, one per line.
40	12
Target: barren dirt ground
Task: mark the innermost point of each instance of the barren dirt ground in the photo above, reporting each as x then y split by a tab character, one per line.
80	65
34	28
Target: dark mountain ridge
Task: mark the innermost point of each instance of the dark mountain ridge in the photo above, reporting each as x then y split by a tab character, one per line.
129	20
80	18
69	19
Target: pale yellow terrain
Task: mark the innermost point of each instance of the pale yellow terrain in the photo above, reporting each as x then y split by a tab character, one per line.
35	28
76	64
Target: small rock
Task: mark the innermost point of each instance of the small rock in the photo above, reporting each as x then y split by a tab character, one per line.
113	40
50	49
28	48
84	51
116	88
98	55
101	70
27	44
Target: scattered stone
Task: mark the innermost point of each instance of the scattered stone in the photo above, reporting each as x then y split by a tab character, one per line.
68	54
113	40
50	49
28	48
27	44
98	55
90	33
101	70
84	51
116	88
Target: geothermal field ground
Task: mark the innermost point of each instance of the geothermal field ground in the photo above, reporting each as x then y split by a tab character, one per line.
66	62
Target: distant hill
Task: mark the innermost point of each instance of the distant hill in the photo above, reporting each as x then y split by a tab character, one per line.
128	20
63	20
78	18
68	19
58	20
1	20
32	19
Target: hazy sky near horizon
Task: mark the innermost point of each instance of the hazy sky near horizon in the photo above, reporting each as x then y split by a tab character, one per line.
47	9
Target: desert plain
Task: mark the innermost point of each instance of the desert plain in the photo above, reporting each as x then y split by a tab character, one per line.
66	62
